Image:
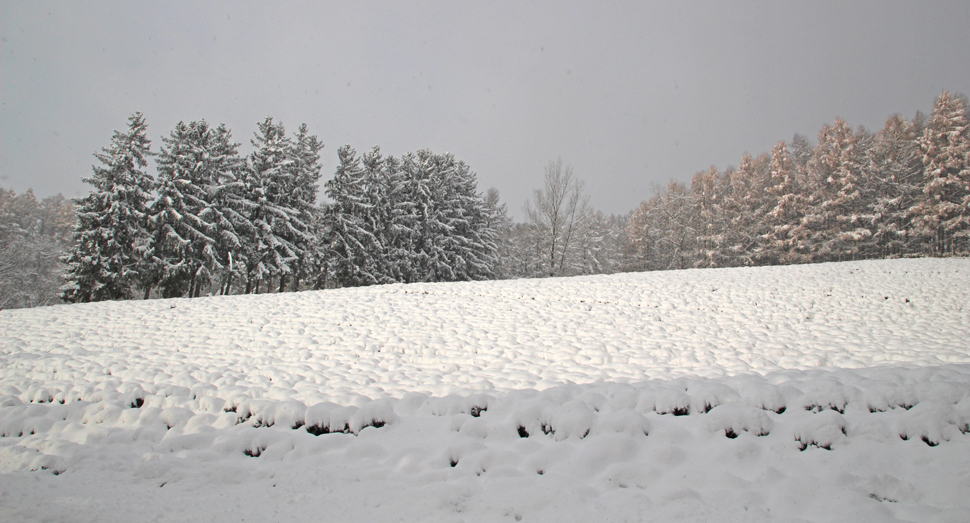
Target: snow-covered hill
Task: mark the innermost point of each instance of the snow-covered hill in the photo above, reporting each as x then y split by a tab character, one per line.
822	392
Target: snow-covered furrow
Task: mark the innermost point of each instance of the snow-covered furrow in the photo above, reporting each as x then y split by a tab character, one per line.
808	393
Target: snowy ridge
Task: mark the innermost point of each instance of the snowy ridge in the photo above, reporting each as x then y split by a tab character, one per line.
808	393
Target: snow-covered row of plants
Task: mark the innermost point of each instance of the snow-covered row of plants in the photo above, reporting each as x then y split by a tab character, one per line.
808	393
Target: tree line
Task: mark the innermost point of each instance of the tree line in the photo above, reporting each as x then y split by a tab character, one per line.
213	222
903	191
208	218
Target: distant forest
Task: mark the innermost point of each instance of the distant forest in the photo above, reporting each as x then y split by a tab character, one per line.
209	221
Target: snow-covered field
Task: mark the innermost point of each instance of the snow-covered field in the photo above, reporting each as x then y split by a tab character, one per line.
833	392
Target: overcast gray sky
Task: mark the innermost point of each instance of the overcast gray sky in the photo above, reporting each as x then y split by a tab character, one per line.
630	94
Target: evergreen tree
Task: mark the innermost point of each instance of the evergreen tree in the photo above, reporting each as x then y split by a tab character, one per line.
707	190
784	209
745	208
191	229
896	167
111	221
305	152
498	220
839	161
943	216
664	229
271	183
417	218
351	245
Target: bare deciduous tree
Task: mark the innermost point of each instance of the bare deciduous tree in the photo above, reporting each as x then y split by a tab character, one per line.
558	213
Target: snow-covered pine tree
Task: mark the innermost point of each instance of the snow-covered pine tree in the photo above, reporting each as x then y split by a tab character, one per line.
498	221
305	152
838	162
600	244
417	218
785	206
426	193
478	248
896	168
707	191
379	217
402	220
943	215
111	221
350	249
457	243
663	229
745	208
280	231
191	233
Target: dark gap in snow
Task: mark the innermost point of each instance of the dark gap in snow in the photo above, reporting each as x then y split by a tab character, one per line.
730	433
297	425
681	411
137	403
880	499
547	429
454	462
522	432
254	452
477	411
318	430
928	441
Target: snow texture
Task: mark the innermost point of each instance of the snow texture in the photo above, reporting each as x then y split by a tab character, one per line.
828	392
